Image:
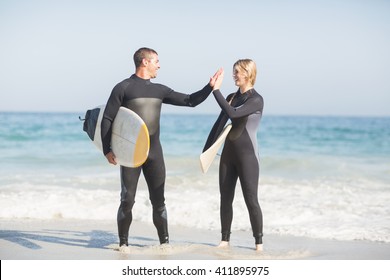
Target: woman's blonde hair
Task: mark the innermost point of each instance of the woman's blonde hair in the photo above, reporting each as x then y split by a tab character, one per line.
248	68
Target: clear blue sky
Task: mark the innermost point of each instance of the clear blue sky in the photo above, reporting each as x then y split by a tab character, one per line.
327	57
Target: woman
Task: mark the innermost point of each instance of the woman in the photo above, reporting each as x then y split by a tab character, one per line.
239	157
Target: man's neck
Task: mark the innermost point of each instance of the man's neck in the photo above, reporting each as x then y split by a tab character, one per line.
141	73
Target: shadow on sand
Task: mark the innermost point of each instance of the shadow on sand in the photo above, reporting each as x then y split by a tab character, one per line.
31	239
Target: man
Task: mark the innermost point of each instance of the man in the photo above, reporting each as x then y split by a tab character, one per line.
145	98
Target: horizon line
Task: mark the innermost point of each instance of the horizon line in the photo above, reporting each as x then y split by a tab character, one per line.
210	114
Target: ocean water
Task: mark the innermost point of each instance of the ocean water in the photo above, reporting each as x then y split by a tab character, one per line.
321	177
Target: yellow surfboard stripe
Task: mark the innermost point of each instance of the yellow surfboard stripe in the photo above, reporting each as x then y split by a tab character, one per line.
142	144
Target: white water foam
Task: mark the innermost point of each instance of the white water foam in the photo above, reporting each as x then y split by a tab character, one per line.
343	210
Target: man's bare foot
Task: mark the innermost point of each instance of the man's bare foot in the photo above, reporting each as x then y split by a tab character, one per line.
165	248
124	249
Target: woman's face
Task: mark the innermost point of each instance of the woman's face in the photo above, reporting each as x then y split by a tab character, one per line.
239	77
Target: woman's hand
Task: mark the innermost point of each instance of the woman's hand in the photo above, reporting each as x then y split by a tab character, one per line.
218	80
215	77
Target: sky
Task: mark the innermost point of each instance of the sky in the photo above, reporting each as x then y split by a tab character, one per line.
324	57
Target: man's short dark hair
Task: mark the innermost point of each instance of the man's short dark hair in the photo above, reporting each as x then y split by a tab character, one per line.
142	53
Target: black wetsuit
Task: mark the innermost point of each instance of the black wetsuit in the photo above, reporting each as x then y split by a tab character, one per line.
239	157
145	98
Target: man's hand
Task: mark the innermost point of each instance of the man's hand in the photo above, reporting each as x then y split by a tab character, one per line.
111	158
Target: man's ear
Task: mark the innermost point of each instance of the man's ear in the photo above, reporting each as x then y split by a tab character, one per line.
145	62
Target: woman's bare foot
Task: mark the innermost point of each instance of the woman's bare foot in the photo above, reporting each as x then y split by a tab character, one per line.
223	244
259	248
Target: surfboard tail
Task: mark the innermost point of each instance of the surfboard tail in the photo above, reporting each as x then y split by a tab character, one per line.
204	163
207	157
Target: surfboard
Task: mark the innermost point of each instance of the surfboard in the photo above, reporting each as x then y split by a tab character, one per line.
130	140
207	157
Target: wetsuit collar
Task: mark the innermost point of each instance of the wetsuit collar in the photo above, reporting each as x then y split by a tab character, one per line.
240	98
135	77
249	91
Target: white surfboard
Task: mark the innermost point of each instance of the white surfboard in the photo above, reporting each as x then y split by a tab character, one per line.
130	140
207	157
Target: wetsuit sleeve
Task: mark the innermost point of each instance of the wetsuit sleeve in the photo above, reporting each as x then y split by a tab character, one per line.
248	108
112	107
190	100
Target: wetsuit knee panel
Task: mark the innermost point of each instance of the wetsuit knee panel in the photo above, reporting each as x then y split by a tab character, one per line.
127	206
160	209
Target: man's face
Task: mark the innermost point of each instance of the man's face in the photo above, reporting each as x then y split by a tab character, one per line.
153	64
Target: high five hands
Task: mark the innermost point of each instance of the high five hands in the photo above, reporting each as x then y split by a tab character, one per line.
216	80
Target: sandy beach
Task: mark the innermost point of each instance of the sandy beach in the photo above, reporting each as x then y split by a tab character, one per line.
63	239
